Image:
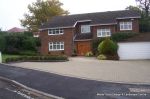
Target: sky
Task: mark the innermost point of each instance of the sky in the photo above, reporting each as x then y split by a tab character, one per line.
11	11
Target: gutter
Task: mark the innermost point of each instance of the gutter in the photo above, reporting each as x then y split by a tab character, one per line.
31	90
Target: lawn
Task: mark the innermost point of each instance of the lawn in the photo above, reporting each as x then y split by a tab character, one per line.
4	56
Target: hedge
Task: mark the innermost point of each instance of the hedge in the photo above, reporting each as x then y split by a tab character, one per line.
36	58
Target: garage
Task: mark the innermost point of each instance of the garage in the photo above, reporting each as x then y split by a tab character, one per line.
134	50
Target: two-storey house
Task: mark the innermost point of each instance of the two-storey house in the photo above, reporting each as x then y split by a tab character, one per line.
63	34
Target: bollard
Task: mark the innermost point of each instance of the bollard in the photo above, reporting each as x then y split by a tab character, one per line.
0	57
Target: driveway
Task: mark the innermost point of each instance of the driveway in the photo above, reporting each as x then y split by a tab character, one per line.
137	71
73	88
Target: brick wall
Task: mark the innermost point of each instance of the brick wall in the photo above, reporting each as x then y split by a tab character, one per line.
67	38
135	25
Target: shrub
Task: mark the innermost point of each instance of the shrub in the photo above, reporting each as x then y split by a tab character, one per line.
101	57
36	58
122	36
89	54
95	44
108	47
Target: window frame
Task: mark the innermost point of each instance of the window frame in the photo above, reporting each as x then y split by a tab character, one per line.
56	44
125	25
56	31
85	28
100	32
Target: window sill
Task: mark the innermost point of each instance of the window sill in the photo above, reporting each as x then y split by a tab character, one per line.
55	50
54	34
126	29
104	36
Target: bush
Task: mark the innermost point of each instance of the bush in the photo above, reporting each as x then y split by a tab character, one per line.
14	43
122	36
108	47
89	54
95	44
101	57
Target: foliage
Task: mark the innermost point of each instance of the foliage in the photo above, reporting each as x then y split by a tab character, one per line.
89	54
74	52
101	57
117	37
145	6
34	58
144	21
107	47
40	12
14	43
144	24
134	8
95	44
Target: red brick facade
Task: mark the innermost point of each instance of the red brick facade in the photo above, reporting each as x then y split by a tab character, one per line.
69	33
67	38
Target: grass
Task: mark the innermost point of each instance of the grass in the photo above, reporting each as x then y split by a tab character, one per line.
4	56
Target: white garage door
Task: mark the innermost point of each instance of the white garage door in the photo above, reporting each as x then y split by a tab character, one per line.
137	50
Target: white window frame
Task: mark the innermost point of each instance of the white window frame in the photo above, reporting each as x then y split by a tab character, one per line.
125	25
56	31
103	32
56	46
85	29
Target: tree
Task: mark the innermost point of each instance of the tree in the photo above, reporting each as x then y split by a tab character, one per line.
135	8
144	21
145	5
40	12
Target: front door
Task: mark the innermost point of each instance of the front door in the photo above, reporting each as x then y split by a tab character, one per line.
83	47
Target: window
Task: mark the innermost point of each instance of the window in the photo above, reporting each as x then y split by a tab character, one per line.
103	32
125	25
85	29
55	31
56	46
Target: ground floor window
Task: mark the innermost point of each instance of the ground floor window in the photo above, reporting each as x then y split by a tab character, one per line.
56	46
103	32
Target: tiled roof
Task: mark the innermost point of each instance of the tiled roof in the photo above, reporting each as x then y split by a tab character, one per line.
83	36
96	18
15	29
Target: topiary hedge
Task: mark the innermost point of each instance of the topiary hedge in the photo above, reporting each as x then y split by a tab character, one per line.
37	58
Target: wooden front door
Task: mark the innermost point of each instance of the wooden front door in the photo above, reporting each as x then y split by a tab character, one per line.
83	47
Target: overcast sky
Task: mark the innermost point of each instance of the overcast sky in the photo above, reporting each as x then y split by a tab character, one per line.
12	10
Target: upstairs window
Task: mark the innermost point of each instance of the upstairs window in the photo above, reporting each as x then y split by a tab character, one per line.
125	25
56	46
85	29
55	31
103	33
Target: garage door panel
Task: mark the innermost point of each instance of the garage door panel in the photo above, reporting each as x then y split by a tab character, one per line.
138	50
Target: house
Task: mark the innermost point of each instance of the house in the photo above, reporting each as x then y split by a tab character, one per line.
15	30
64	34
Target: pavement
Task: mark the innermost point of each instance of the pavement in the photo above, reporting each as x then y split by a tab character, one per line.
74	88
133	72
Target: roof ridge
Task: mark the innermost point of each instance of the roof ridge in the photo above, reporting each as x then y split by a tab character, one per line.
93	13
